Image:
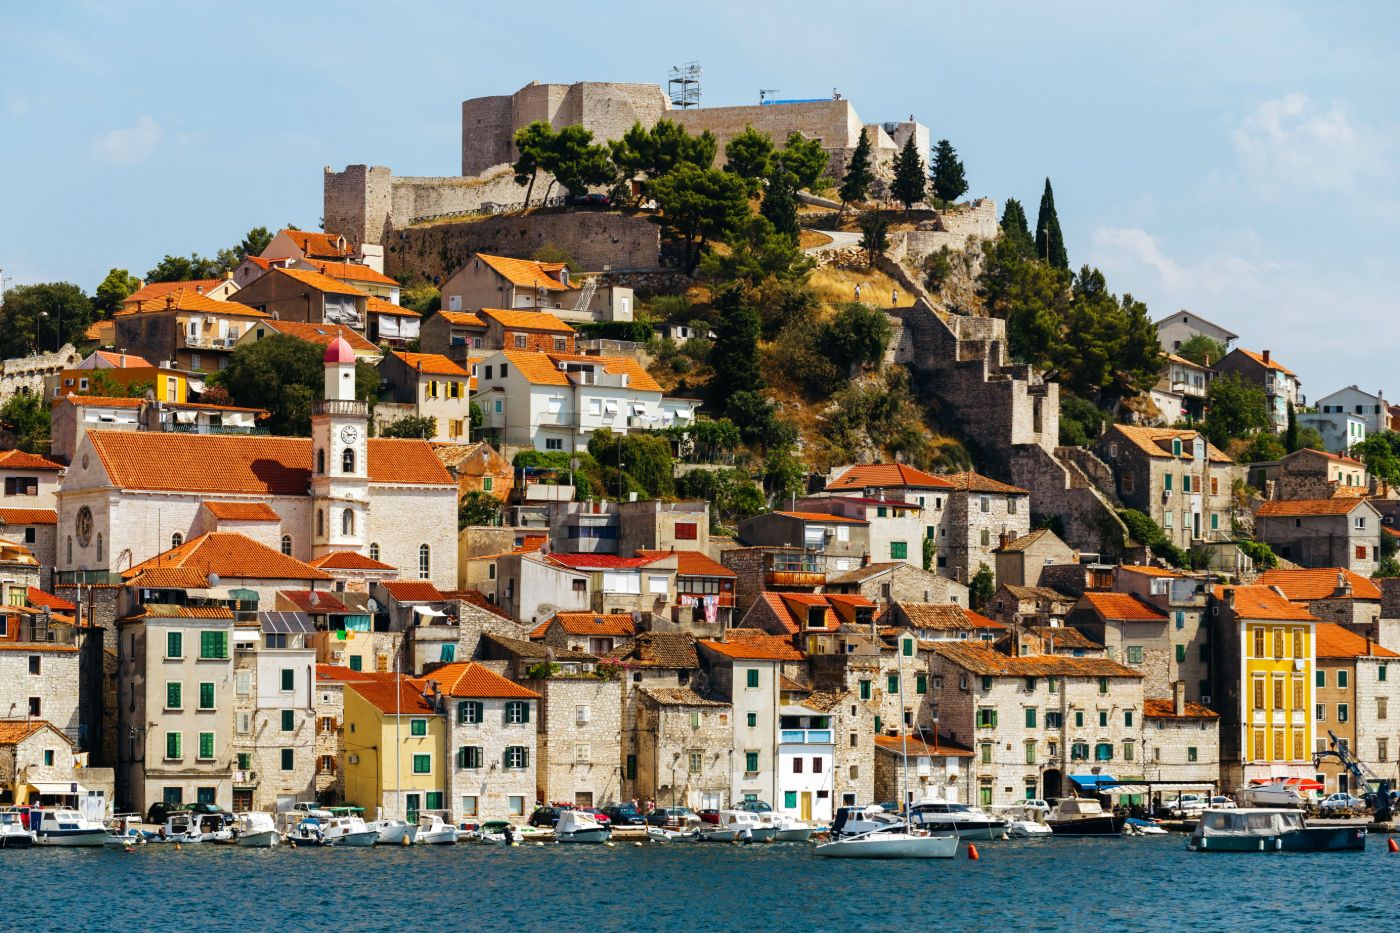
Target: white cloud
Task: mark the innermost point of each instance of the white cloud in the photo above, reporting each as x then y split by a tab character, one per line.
1136	255
131	144
1291	143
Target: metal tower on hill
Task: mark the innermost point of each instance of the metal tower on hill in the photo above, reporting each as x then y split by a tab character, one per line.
684	85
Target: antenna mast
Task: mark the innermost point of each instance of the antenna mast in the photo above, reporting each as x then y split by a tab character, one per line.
684	85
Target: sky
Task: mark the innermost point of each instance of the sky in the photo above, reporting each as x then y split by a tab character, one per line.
1237	160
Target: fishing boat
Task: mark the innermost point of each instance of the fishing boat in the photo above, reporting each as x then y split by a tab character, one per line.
580	826
664	835
255	830
496	833
789	829
738	826
393	832
1024	822
64	827
1080	816
1134	826
192	828
348	830
125	830
1261	829
433	830
13	833
308	833
965	822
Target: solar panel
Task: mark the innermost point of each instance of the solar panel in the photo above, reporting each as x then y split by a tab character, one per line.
286	623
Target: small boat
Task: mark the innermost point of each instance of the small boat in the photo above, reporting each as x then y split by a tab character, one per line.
255	830
348	831
856	821
497	833
664	835
966	822
790	829
1279	794
1024	822
64	827
308	833
125	831
1260	829
433	830
1139	827
890	843
739	826
578	826
13	833
186	827
393	832
1080	816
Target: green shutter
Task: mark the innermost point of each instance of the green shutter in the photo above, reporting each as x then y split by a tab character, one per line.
288	759
907	645
1030	717
1103	718
206	696
1180	653
899	550
524	710
865	689
877	725
631	767
789	800
449	652
289	720
174	644
356	662
1127	717
1079	719
752	675
206	745
172	745
172	696
434	799
751	761
892	683
921	683
418	727
289	679
994	719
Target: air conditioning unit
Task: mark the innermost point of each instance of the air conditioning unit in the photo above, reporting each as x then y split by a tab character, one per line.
1205	700
1166	493
337	655
354	758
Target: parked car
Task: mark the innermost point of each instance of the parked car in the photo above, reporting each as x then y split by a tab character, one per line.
546	816
624	815
709	815
224	815
1342	801
1185	805
670	816
1222	803
596	199
600	815
160	811
755	806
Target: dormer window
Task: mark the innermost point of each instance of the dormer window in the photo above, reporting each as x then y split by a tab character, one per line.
1176	447
816	617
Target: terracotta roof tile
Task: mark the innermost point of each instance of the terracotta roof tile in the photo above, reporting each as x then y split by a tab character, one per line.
22	460
637	376
13	731
980	621
1023	542
122	360
351	272
472	680
1037	592
823	517
313	601
100	401
943	617
602	561
1063	636
529	650
1124	607
170	578
1271	363
976	482
1156	442
28	516
232	556
177	611
680	696
1262	602
318	244
153	290
526	273
188	300
536	368
461	318
319	282
413	591
322	334
526	320
691	563
988	662
887	476
670	650
1165	708
1333	641
917	746
431	364
754	645
377	305
349	560
1147	570
477	599
1307	585
587	623
243	511
1301	508
39	598
390	697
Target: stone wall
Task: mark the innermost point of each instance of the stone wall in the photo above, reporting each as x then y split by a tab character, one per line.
580	755
667	736
26	373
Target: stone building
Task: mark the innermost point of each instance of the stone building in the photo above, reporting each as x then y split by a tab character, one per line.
683	747
40	667
487	281
843	541
25	375
941	622
1021	560
777	568
921	768
1280	384
1028	605
897	581
980	511
1180	741
655	659
580	740
586	631
184	329
1342	532
1314	474
330	739
477	467
1134	633
39	766
1358	684
275	723
1062	714
1333	595
1182	598
853	726
396	763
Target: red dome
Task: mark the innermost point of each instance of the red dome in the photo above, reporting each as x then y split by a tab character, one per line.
339	351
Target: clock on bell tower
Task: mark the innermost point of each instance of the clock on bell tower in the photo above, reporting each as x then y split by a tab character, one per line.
340	468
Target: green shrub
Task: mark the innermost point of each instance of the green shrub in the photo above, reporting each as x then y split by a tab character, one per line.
1263	556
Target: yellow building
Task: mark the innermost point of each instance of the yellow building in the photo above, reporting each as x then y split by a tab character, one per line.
395	747
104	369
1264	684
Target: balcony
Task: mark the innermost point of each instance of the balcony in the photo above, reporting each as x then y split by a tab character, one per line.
350	409
794	578
806	737
200	342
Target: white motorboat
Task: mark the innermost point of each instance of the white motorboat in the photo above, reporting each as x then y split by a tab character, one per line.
789	829
662	834
255	830
13	833
306	834
1281	793
393	832
64	827
1023	822
185	827
495	833
1133	826
125	830
433	830
579	826
897	843
348	831
739	826
855	821
964	821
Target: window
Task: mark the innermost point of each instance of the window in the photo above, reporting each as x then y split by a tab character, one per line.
986	537
986	753
206	695
424	562
289	760
206	745
687	531
906	647
1103	719
1030	717
697	762
986	717
1382	749
921	683
752	720
1103	751
797	765
518	712
1297	643
99	545
172	746
892	683
1128	750
751	677
751	762
1278	693
1134	654
418	727
244	723
289	720
320	523
213	645
1382	707
347	522
1180	653
1321	677
35	664
1128	718
1103	685
423	764
1079	751
631	767
899	550
1342	680
289	678
1079	719
374	551
357	663
22	486
1320	712
287	545
1298	694
865	689
1343	713
553	443
1053	683
173	699
469	756
1380	672
1054	719
177	539
1258	641
174	645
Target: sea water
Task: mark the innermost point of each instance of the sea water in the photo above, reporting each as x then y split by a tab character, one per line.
1127	884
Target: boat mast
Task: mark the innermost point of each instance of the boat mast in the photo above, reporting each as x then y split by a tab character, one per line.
398	738
904	735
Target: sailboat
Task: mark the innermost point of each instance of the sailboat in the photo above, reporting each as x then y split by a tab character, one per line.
902	842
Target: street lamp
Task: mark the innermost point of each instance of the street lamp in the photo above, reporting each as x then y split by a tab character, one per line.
39	317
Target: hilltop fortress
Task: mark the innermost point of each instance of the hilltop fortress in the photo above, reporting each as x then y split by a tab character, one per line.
371	205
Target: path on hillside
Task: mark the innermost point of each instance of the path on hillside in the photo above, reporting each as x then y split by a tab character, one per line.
840	239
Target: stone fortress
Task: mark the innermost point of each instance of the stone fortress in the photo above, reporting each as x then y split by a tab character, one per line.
369	204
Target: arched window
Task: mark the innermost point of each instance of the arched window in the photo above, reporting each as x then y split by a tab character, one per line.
347	522
347	460
320	523
177	539
320	461
287	545
424	561
99	545
374	551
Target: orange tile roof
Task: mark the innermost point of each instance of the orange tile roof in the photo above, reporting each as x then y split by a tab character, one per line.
1262	602
431	364
321	283
348	560
787	606
586	623
323	334
754	645
351	272
243	511
536	368
470	679
232	556
462	318
400	698
1271	363
312	601
377	305
1298	508
916	746
1306	585
936	616
1124	607
526	320
230	463
100	401
154	290
170	578
1147	570
478	600
28	516
823	517
980	621
692	563
413	591
1151	441
524	272
887	476
316	243
187	300
636	373
175	611
1063	636
1165	708
13	731
984	660
123	360
1333	641
976	482
541	630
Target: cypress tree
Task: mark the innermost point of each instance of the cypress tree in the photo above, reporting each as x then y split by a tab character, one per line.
736	346
909	183
1049	242
1016	230
949	179
1290	436
859	175
780	201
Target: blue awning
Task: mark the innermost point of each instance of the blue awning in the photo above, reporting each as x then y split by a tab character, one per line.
1094	781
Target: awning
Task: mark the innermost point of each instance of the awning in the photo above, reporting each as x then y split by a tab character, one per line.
58	788
429	611
1094	781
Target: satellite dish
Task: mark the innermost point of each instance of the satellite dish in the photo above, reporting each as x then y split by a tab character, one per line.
372	605
213	579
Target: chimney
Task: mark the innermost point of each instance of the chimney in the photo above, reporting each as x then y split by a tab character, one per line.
1179	697
1006	538
1343	584
199	289
1229	596
1266	357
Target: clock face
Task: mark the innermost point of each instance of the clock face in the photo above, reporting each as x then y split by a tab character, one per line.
84	528
348	434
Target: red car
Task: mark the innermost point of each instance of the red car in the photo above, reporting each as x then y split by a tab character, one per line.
709	816
598	815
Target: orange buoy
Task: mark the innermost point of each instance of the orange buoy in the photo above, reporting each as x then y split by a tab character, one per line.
972	852
1393	845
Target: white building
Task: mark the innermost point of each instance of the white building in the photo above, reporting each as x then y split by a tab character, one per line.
28	481
1175	329
1373	409
806	763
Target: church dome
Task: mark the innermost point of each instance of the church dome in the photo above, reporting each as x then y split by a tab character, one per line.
339	351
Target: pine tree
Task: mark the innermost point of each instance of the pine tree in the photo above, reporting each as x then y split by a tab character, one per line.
1290	436
859	175
949	179
1049	242
1016	230
735	352
909	183
780	201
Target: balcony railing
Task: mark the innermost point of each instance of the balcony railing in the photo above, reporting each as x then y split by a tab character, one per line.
201	342
806	736
351	409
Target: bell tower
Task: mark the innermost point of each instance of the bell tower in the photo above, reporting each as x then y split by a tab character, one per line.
339	459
